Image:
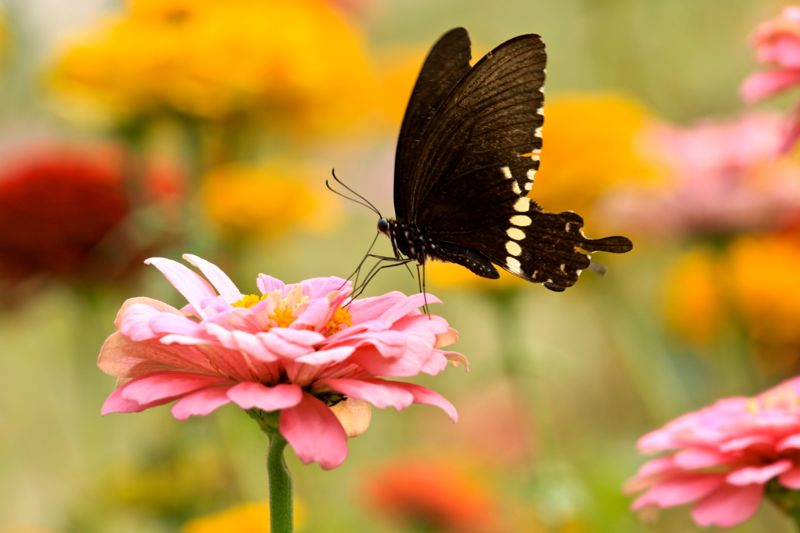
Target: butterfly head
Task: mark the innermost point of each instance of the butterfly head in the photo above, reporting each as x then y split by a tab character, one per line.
384	226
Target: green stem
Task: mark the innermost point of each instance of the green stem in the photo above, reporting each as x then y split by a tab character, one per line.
280	486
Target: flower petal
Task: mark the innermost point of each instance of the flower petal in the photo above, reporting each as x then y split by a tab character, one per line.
728	506
758	474
225	287
696	458
200	403
267	284
324	357
792	442
314	433
682	490
248	395
124	358
377	392
791	478
193	287
761	85
115	403
167	386
429	397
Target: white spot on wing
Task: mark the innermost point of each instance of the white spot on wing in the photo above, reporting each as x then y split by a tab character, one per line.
515	233
538	132
522	205
506	172
513	248
515	187
514	265
521	220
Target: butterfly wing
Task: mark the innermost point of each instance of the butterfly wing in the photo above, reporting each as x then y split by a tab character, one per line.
476	162
446	64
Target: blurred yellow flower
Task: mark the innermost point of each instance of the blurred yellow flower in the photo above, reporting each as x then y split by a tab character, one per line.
244	518
593	142
211	59
4	38
449	275
266	201
693	303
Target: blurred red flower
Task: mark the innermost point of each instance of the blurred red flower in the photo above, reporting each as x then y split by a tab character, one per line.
66	211
432	495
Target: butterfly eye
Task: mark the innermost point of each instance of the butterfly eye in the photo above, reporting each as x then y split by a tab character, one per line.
383	226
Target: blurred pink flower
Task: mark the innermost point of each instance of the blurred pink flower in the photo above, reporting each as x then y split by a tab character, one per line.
299	349
777	43
721	457
726	177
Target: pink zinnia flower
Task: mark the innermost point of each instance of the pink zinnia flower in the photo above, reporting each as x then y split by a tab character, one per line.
777	43
299	349
726	177
722	457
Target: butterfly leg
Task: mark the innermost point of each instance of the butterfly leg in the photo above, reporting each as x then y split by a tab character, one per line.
380	265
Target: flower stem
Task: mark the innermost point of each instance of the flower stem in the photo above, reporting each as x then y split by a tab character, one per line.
280	486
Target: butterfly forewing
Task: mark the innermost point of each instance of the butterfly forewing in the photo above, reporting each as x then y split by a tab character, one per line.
447	63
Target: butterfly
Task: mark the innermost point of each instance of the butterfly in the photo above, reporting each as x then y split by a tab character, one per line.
466	159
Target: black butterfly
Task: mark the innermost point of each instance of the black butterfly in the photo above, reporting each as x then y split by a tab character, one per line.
467	155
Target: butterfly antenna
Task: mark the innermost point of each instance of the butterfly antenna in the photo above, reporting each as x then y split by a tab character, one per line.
359	199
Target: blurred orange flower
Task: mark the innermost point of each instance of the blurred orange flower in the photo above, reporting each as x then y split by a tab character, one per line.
266	201
243	518
291	61
593	142
693	296
765	286
752	281
432	495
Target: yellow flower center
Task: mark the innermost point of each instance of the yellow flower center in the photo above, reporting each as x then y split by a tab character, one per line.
285	311
248	300
283	315
340	319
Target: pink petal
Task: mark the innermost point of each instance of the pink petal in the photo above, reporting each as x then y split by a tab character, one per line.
323	287
792	442
324	357
377	392
267	284
115	403
791	478
200	403
167	386
679	491
242	341
193	287
697	458
728	506
761	85
429	397
314	316
743	443
793	134
221	282
758	474
121	357
248	395
314	433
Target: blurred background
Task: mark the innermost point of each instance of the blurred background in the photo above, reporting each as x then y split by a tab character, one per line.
157	127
